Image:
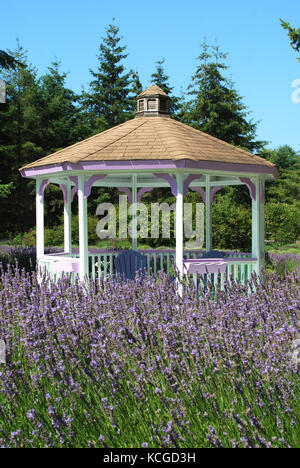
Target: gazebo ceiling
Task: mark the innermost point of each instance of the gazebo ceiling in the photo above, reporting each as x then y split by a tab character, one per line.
151	138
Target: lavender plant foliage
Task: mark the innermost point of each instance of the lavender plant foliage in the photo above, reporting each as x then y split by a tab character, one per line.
22	256
285	262
132	364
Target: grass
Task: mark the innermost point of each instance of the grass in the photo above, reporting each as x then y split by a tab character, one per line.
285	249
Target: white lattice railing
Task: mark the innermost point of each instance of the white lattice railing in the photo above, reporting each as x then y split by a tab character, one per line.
237	269
101	264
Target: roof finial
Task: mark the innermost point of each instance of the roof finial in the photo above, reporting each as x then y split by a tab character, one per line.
153	102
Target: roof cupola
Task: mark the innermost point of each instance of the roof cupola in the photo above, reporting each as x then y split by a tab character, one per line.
153	102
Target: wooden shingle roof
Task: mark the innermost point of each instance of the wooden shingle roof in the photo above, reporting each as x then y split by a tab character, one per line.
152	138
153	90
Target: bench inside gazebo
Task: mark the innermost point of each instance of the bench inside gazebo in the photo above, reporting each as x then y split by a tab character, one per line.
151	150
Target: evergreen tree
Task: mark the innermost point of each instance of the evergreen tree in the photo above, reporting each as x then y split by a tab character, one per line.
216	107
7	61
161	79
286	188
285	157
135	89
108	102
18	143
60	122
294	35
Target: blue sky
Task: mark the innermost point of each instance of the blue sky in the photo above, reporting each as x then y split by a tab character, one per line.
262	63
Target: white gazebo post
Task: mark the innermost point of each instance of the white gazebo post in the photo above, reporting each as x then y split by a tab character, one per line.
179	227
67	220
39	219
134	211
258	223
208	243
83	231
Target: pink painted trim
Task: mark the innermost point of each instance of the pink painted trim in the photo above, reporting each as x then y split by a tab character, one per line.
201	191
207	265
88	185
65	193
188	180
66	265
213	191
168	178
128	193
225	259
149	165
142	191
250	186
42	187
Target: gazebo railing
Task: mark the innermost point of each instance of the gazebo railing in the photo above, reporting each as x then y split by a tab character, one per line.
101	263
240	265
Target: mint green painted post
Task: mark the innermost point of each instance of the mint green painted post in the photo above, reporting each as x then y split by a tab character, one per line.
208	242
83	230
258	224
67	221
262	222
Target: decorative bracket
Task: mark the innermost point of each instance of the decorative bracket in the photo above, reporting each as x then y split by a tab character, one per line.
65	192
128	193
168	178
42	187
250	186
188	180
75	188
213	191
140	193
88	185
201	191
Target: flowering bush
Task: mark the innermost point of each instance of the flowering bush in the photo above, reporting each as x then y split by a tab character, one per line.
134	365
284	263
23	256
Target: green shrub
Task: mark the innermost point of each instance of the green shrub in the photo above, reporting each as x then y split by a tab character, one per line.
54	236
231	225
282	222
28	239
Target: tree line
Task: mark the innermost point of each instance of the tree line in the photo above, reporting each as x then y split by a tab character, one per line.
42	115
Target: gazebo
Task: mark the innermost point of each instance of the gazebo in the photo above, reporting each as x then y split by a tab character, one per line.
150	150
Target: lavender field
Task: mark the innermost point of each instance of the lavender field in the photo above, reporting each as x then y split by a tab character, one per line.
134	365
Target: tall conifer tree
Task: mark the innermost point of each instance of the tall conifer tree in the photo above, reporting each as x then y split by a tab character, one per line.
108	102
18	119
294	35
60	122
135	89
216	107
161	79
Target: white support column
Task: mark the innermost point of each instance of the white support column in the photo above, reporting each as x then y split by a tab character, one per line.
39	221
208	242
179	224
68	221
83	231
262	223
134	211
258	224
